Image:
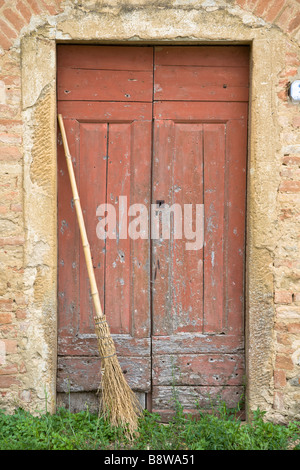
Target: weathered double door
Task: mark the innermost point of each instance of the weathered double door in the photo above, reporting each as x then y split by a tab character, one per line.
159	135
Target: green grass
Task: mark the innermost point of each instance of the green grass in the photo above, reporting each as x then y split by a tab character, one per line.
219	430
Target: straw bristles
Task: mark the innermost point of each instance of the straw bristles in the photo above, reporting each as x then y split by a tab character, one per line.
118	402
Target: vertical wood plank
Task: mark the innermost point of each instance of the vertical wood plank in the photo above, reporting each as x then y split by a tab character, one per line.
92	192
140	247
187	192
68	240
214	187
212	56
197	296
105	57
236	151
118	261
162	258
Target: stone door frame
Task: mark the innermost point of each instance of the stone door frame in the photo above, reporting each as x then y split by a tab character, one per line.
38	52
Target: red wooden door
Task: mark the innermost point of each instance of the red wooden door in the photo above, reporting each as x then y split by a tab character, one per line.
105	97
183	146
200	142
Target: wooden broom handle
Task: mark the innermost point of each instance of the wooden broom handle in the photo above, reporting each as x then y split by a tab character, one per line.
85	243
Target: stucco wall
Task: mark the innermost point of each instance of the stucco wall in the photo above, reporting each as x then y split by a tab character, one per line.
30	30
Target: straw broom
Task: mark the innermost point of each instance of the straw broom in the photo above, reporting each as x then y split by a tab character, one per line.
118	402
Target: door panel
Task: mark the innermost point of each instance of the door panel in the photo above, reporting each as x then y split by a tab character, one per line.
103	158
198	294
205	56
215	209
200	144
165	126
109	130
199	111
92	138
201	73
200	83
199	369
177	180
236	219
193	397
115	73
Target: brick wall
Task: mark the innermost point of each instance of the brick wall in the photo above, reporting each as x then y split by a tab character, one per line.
287	257
17	18
284	14
12	302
